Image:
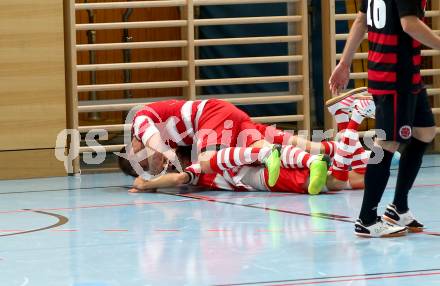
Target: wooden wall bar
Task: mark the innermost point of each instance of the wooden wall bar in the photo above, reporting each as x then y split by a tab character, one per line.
137	55
176	15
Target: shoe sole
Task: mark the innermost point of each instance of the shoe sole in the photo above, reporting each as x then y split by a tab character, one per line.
410	229
318	177
273	166
367	97
396	234
343	96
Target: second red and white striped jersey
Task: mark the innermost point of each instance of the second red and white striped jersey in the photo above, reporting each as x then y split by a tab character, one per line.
214	181
230	180
175	120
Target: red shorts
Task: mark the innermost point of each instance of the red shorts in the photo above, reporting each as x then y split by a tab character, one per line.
273	135
223	124
290	181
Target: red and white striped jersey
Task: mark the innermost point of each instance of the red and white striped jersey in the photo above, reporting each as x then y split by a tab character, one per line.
214	181
230	180
290	180
175	120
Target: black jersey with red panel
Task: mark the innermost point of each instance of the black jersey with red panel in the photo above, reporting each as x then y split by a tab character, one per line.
394	56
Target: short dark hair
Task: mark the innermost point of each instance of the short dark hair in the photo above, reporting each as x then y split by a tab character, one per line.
183	153
125	165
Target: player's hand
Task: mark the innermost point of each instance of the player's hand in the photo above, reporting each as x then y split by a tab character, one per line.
140	184
339	79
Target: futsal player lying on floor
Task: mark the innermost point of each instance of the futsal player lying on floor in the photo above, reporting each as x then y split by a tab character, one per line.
295	163
294	174
354	180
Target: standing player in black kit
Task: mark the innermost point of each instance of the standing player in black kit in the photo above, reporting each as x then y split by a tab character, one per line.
395	31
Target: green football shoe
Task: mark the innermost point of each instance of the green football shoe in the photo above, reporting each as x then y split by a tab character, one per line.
318	174
273	165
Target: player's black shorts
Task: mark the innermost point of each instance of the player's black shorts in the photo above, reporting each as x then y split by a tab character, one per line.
397	114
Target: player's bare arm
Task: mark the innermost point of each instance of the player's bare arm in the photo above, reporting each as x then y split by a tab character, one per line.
341	75
418	30
156	153
165	181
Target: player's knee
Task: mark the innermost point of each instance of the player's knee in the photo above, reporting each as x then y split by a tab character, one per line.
335	184
357	180
204	160
205	166
260	144
425	134
292	140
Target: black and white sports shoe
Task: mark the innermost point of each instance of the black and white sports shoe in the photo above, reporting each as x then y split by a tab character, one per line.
407	219
378	229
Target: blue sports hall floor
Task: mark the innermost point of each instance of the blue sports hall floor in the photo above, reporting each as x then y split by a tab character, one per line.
88	231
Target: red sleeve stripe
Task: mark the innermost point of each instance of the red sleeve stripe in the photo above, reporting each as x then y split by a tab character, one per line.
140	124
386	58
143	127
382	76
383	39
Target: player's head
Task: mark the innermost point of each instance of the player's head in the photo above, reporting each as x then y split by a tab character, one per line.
125	165
132	156
150	160
183	154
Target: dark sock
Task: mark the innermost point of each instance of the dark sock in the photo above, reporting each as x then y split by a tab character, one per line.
376	179
409	166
